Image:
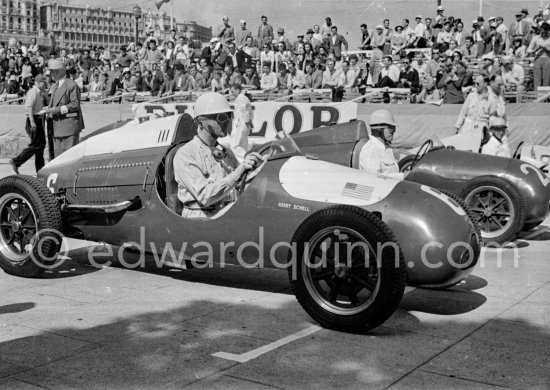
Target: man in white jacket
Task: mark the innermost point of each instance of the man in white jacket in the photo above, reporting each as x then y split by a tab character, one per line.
242	123
376	155
498	142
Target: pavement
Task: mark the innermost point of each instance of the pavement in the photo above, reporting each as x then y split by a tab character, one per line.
84	327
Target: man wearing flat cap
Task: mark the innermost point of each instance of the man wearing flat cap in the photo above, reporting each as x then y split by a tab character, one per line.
64	110
520	28
34	103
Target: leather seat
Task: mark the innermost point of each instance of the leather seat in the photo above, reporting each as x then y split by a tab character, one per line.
186	130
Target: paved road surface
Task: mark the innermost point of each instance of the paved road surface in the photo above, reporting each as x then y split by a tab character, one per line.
113	328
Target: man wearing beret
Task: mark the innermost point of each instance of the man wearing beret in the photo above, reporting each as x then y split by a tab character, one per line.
64	110
34	103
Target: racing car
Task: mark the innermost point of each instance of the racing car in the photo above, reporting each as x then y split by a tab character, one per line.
505	195
350	241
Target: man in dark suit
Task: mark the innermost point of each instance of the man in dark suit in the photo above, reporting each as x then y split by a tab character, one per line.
336	41
238	59
519	29
265	33
64	110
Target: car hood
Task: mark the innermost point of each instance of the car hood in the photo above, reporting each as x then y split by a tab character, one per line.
322	181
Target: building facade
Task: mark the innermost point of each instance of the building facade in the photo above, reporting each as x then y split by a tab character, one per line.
195	31
19	17
79	26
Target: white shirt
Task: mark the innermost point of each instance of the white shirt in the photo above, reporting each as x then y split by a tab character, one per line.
375	157
494	147
242	125
420	30
392	72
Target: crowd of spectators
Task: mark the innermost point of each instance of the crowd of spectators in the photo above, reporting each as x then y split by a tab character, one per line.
319	58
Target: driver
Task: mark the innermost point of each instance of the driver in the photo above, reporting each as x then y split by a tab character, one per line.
206	172
498	142
376	155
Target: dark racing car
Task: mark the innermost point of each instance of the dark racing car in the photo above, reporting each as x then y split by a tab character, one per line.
350	240
505	195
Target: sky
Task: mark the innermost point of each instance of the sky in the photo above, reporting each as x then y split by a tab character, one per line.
296	16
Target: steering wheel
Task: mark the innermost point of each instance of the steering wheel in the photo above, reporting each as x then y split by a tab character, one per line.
424	148
517	152
265	151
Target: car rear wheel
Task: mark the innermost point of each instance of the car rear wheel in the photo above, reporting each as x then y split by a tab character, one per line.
348	273
497	206
30	226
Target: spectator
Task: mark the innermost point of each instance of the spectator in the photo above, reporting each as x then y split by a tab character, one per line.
331	76
190	82
250	79
398	41
459	35
488	69
314	42
217	82
96	85
389	75
125	59
326	31
387	32
518	50
317	33
502	29
429	32
282	56
238	58
469	51
241	35
336	42
267	56
229	76
314	77
181	51
428	92
281	37
513	75
227	32
297	78
283	78
365	38
268	82
208	51
439	17
409	33
419	33
346	81
299	43
251	50
520	28
493	40
444	37
170	53
454	79
265	33
153	56
540	48
408	78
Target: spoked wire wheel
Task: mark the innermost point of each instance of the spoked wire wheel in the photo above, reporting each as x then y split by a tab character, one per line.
497	206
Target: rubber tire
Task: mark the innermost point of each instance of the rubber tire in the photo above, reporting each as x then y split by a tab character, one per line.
468	211
393	279
48	216
405	162
531	226
517	203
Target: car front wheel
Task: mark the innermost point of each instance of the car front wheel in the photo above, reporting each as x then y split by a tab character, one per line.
497	206
348	272
30	225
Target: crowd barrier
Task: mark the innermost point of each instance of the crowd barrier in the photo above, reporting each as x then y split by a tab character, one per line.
415	123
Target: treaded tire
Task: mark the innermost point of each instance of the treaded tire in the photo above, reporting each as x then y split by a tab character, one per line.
469	212
513	204
27	192
337	222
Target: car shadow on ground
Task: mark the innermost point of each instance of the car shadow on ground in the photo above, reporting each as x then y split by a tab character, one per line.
16	307
169	349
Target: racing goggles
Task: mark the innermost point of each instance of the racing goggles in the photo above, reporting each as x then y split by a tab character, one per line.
223	117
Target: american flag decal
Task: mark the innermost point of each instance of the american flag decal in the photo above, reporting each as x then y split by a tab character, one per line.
358	191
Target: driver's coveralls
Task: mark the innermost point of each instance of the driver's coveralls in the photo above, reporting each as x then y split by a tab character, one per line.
496	147
375	157
205	185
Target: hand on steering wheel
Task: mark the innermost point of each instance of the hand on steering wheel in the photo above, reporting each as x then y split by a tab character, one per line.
424	148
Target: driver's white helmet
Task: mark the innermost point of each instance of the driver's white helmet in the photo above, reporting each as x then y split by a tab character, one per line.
381	117
211	103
